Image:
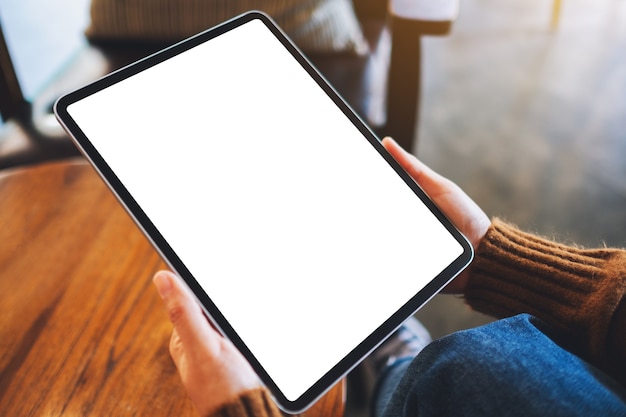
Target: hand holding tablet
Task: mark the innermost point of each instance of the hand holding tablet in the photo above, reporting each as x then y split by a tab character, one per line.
270	198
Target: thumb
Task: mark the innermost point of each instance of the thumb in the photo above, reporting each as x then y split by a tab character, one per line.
190	324
430	181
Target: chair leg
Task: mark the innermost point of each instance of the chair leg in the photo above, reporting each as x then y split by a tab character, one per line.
12	102
404	87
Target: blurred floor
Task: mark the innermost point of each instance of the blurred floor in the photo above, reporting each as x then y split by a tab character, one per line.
531	122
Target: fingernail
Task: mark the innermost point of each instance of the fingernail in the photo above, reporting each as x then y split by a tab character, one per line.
163	282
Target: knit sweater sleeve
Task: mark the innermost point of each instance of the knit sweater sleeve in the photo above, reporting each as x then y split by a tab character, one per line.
578	291
253	403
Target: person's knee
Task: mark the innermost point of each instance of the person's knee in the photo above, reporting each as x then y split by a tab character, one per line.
510	367
448	362
458	374
479	357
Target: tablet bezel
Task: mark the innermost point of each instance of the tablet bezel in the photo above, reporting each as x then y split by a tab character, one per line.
366	346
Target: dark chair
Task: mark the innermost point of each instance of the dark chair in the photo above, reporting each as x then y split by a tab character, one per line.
383	86
23	140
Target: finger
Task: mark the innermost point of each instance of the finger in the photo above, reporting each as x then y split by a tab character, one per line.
191	327
464	213
431	182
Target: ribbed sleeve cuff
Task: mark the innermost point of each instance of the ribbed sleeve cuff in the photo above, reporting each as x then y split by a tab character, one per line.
254	403
573	289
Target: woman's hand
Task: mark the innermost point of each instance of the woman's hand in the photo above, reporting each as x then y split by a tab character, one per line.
212	370
464	213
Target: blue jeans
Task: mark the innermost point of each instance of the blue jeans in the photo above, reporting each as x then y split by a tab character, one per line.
512	367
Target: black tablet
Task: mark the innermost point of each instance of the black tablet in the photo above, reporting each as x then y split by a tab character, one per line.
303	240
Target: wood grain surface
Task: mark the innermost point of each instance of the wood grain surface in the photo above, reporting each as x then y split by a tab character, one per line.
82	330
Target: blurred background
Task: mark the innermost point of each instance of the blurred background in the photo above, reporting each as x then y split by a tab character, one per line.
42	36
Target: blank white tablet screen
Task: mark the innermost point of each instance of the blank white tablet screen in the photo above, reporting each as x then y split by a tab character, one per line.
297	229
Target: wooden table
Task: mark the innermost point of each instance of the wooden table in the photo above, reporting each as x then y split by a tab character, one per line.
82	330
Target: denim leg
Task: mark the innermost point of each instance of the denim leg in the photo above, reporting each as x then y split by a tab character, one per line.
387	384
511	367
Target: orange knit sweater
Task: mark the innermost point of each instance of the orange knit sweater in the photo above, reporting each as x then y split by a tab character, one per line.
576	290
